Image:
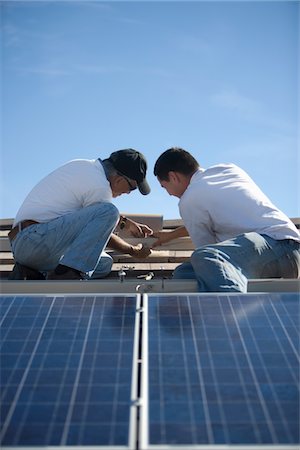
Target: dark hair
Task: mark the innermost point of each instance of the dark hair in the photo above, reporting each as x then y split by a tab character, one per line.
175	159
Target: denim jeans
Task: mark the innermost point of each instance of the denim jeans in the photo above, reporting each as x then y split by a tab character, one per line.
227	266
75	240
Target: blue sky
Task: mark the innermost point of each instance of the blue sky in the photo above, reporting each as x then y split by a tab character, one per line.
83	79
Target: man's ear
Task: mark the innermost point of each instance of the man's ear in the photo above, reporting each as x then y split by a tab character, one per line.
172	176
175	177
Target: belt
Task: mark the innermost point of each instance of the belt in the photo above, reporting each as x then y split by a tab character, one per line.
21	225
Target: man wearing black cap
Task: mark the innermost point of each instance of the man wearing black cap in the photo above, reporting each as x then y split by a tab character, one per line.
66	221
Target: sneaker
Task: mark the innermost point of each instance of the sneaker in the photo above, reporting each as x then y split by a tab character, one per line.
21	272
64	273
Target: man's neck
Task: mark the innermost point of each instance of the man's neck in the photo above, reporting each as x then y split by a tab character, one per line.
108	168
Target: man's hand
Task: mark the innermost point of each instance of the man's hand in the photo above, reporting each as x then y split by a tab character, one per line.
162	238
165	236
140	251
138	230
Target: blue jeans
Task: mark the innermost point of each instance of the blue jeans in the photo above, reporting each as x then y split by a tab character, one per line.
75	240
226	266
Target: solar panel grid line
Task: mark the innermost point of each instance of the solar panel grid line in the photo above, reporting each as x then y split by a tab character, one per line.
113	344
256	384
5	310
241	381
117	379
201	380
67	423
92	367
222	414
221	405
286	334
287	364
4	315
43	362
287	353
21	384
237	381
163	381
4	334
190	399
25	411
269	421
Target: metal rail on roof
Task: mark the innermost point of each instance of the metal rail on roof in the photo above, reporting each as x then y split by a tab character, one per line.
133	286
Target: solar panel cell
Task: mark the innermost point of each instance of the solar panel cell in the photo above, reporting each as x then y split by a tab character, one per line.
224	369
67	368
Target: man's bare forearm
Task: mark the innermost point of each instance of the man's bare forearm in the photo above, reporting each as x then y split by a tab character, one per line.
136	251
118	244
163	237
179	232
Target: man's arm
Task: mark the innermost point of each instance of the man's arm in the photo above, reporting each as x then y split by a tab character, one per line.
166	236
118	244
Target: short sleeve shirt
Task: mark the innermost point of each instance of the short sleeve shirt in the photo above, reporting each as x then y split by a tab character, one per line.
75	185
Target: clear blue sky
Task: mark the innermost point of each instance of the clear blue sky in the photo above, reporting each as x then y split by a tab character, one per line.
83	79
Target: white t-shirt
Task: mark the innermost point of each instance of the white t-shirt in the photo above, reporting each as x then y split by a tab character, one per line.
75	185
222	202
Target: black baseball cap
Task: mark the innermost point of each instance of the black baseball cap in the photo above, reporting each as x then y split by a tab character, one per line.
133	165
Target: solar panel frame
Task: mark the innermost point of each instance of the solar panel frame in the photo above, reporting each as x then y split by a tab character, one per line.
144	393
212	444
132	380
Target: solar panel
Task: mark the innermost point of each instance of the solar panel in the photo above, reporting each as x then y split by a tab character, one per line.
150	372
66	370
223	370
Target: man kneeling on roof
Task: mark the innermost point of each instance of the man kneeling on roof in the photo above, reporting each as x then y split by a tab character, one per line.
237	232
66	221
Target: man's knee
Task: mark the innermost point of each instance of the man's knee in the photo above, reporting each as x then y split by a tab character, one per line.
114	211
184	271
204	255
209	261
216	272
108	209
